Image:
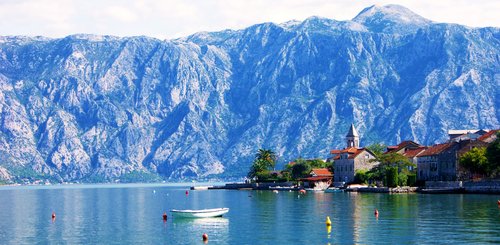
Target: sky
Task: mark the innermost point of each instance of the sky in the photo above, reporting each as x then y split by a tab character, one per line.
168	19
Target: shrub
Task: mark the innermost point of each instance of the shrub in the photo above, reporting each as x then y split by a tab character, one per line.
412	179
361	177
402	179
391	177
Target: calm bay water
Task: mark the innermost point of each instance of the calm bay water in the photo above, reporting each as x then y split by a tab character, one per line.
132	214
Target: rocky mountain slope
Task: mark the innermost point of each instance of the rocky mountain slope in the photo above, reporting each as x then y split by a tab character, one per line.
96	108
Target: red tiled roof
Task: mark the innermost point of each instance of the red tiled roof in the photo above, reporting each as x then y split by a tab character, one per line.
347	150
335	151
356	153
487	135
414	152
404	144
435	149
352	152
322	172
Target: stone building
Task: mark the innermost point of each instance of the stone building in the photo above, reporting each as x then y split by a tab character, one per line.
352	158
441	162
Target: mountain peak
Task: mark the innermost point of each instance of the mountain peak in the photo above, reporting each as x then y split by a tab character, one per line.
390	18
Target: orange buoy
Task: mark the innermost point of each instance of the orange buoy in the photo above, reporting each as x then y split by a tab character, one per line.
498	202
205	237
302	191
165	216
53	215
376	213
187	193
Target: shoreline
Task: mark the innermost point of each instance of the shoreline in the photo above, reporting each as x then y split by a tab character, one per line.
287	186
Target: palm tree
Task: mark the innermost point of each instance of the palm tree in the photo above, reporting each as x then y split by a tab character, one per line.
267	156
265	160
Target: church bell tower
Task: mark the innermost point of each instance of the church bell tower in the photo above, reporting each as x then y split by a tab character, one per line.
352	137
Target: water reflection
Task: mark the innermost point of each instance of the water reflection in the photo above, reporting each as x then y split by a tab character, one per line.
217	223
134	216
191	230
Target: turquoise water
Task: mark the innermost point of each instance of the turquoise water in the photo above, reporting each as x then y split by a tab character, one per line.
132	214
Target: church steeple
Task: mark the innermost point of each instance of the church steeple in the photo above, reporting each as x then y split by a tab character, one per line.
352	137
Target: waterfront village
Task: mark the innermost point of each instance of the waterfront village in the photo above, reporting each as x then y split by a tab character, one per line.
467	162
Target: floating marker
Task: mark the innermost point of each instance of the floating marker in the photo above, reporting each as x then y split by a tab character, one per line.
187	193
165	216
204	237
328	222
53	215
376	213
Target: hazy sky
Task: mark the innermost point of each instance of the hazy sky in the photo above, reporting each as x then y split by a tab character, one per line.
175	18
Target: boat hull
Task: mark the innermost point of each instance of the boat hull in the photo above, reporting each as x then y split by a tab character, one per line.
200	213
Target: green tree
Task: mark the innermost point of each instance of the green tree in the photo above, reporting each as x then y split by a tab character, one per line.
361	176
264	161
475	161
387	164
391	176
377	148
493	155
300	169
268	158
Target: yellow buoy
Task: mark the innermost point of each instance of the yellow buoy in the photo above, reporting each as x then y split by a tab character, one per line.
328	222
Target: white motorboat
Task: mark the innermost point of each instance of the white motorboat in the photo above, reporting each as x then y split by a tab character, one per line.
199	213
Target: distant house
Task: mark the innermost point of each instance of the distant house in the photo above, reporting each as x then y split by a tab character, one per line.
347	161
440	162
318	175
466	134
408	149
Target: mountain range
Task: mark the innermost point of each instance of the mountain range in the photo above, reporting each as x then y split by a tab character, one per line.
101	108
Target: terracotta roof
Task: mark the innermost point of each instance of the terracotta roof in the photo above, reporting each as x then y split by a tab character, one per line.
356	153
322	172
488	135
436	149
348	150
352	152
403	144
335	151
414	152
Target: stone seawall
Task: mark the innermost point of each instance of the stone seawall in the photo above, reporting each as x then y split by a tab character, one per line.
254	186
484	186
404	189
487	186
443	184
